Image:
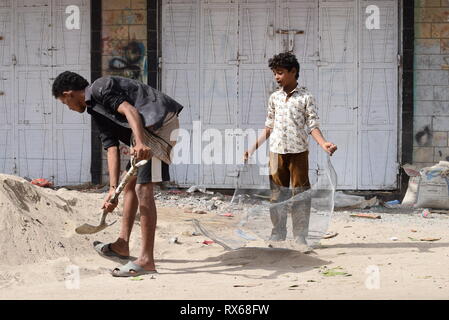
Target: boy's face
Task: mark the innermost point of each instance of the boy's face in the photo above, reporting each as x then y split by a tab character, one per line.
74	100
284	77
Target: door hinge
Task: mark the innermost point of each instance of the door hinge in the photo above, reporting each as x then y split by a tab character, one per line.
14	59
399	60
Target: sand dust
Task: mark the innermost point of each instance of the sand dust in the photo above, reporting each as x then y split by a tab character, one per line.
40	250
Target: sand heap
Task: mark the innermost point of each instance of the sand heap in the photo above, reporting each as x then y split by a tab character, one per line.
37	224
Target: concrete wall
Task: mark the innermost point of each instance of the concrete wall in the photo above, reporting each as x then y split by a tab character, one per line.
124	48
431	98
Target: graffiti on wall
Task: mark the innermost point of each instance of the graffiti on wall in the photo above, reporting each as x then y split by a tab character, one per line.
132	63
424	137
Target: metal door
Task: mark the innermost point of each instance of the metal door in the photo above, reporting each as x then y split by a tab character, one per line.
216	63
39	136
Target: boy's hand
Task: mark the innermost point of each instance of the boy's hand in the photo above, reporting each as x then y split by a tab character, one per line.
329	147
246	156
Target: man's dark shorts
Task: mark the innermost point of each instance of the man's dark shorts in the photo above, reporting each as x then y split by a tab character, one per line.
154	171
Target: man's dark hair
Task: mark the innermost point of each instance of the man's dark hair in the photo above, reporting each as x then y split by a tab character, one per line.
68	81
284	60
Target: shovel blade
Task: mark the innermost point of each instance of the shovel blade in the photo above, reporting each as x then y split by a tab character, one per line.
90	229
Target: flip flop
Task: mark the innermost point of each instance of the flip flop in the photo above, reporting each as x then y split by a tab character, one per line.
125	270
105	250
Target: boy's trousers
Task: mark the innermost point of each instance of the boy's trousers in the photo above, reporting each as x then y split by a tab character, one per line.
289	170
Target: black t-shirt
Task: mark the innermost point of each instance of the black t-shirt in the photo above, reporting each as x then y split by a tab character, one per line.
110	132
106	94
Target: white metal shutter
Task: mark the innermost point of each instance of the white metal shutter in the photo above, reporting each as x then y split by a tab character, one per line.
378	100
40	137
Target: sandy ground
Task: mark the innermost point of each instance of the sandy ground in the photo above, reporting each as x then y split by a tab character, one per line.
38	268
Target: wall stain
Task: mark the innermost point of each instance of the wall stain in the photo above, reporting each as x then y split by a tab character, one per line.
424	137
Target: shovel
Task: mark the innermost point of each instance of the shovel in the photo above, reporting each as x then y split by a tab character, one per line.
90	229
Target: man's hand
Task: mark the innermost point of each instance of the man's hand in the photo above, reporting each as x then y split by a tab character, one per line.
108	205
141	152
329	147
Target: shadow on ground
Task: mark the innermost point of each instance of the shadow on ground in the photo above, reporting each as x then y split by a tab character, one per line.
278	261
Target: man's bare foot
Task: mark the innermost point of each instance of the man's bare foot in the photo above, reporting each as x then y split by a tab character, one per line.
147	265
120	247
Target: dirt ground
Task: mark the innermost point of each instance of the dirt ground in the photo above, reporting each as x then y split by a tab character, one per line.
387	258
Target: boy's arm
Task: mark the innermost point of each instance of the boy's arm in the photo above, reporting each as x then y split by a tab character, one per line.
269	124
140	150
313	125
260	141
329	147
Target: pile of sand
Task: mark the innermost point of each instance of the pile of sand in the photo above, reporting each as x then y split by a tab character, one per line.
38	224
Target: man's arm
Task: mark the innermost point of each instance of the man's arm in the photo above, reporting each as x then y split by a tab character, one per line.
113	156
141	151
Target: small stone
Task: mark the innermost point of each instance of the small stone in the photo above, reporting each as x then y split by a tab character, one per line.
174	240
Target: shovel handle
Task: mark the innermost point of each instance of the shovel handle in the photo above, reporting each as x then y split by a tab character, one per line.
126	178
103	217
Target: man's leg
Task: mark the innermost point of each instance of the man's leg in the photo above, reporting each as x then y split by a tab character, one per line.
121	245
148	219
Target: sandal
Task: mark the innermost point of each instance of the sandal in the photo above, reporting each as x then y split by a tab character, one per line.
130	270
105	250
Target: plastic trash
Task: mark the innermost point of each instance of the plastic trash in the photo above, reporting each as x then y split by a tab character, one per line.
193	189
392	204
304	215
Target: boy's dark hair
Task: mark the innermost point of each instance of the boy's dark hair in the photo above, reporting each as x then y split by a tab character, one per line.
284	60
68	81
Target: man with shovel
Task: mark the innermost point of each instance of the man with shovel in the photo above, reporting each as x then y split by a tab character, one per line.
136	114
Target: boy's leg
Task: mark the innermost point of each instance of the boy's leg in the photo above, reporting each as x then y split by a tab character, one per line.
299	168
279	184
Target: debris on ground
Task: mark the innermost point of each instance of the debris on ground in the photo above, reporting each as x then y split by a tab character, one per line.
44	183
136	278
412	189
430	239
330	235
366	215
229	215
337	271
425	239
174	240
247	285
193	189
199	212
441	211
433	187
345	201
207	242
392	204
